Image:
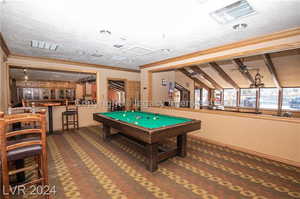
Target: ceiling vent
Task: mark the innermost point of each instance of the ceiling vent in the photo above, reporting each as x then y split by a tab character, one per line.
119	58
139	50
96	55
44	45
232	12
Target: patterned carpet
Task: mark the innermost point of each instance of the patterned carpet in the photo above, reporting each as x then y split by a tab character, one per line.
82	166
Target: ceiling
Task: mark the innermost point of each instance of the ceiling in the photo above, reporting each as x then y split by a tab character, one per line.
47	75
286	64
147	31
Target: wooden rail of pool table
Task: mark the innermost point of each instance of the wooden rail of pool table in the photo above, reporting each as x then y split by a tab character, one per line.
149	139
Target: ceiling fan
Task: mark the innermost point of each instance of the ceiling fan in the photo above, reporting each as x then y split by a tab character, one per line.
245	69
256	81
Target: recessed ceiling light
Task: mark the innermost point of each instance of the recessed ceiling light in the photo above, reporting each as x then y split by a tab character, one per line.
166	50
105	32
118	45
44	45
80	52
240	26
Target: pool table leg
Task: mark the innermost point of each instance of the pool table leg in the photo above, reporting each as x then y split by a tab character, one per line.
106	133
152	155
181	144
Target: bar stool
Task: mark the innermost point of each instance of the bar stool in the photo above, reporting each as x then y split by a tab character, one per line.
22	148
70	116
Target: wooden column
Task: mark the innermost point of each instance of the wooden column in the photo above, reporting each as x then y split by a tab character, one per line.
238	98
280	99
257	100
149	88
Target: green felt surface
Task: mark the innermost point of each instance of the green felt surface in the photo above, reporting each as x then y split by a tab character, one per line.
145	119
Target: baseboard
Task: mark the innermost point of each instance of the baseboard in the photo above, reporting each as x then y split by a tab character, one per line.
245	150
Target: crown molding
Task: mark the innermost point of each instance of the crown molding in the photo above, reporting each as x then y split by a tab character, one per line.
3	46
60	61
251	41
246	53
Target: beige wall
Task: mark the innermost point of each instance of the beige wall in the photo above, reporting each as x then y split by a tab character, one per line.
274	138
85	116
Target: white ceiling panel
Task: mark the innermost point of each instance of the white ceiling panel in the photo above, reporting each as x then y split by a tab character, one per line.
97	27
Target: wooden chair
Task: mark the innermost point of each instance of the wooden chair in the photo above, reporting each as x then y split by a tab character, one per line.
70	113
23	148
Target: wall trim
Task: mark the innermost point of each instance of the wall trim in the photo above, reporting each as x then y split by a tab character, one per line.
247	53
234	114
249	151
243	43
60	61
3	45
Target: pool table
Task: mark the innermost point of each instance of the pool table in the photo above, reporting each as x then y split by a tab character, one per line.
147	130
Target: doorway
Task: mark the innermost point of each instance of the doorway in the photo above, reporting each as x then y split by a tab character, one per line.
183	96
116	95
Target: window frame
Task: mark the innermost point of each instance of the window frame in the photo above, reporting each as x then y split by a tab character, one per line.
278	100
236	103
256	99
294	111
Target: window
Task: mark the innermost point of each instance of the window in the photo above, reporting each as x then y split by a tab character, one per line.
248	98
204	97
217	97
291	99
268	98
229	97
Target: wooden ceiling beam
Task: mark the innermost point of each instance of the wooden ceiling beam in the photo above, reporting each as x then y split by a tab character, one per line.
224	75
246	74
3	45
196	69
117	86
269	63
117	83
186	73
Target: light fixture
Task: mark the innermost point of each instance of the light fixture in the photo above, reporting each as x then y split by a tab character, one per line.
165	50
44	45
96	55
105	32
240	26
25	74
257	81
118	45
80	52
